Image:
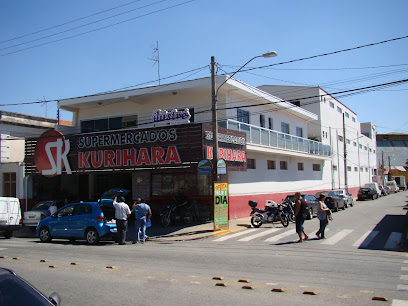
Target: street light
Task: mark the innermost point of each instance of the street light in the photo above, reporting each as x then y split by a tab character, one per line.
214	93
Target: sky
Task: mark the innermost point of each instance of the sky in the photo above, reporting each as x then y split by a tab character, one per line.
51	50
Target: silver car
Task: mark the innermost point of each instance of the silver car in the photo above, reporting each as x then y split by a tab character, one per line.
40	211
348	198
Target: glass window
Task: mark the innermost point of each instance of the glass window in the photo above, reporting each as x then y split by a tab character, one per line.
285	127
348	168
101	125
87	126
316	167
283	165
300	166
355	169
129	121
271	165
354	143
9	184
353	119
340	138
299	132
339	110
270	123
348	141
335	167
262	120
115	123
347	115
67	211
242	116
331	104
251	163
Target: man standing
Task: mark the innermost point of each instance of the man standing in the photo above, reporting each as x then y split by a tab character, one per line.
300	214
142	215
122	212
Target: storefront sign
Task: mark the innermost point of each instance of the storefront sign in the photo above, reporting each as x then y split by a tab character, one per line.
172	117
204	167
220	205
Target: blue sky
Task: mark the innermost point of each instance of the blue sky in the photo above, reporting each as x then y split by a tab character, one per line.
189	34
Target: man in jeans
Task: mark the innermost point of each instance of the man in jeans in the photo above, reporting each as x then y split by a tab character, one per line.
142	215
300	214
122	212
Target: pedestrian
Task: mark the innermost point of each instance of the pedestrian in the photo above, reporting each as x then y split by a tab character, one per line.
322	210
300	216
143	214
122	212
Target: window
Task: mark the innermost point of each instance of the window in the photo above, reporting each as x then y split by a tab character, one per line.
347	115
106	124
299	132
353	119
365	148
348	141
366	169
271	165
242	116
340	138
251	163
354	143
339	110
9	184
283	165
316	167
285	127
262	121
355	169
331	104
270	123
371	150
296	102
300	167
348	168
361	169
360	146
334	167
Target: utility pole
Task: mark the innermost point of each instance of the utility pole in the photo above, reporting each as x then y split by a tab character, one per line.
359	166
345	154
383	170
214	122
338	156
389	168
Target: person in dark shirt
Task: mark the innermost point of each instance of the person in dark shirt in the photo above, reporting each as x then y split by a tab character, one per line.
300	216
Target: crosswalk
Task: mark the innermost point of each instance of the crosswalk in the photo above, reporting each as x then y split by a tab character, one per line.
280	235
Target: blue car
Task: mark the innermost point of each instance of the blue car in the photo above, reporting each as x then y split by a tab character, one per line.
89	220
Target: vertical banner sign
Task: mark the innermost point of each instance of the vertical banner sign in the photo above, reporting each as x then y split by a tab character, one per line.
220	205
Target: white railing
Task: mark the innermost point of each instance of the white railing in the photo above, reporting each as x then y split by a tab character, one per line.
256	135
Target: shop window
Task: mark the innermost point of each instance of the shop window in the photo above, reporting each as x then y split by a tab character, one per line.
251	164
9	184
283	165
271	165
242	116
169	184
300	167
316	167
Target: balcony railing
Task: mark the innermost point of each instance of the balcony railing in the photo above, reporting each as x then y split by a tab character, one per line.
260	136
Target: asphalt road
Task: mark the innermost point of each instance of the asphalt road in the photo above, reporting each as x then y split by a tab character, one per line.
360	259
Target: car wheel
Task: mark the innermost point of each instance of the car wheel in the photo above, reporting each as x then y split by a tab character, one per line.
44	234
336	209
8	234
351	203
92	236
344	206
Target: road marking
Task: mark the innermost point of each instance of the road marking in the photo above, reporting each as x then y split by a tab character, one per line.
233	235
403	277
280	236
264	233
336	238
405	269
402	287
365	240
1	249
393	240
399	303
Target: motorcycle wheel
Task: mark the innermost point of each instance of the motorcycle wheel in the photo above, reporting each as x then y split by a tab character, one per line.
284	220
165	219
291	217
256	222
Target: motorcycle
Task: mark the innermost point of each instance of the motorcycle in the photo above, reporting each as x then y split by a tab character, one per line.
269	215
171	214
289	209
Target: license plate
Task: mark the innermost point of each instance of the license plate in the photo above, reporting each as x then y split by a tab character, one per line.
31	217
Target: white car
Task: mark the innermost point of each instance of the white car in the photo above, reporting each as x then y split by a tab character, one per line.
393	186
10	216
40	211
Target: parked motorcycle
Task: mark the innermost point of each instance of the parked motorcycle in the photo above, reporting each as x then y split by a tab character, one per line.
269	215
172	214
289	209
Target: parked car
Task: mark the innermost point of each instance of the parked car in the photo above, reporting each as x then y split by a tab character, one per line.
374	185
348	198
384	190
91	221
40	211
333	200
367	193
311	203
393	186
401	182
10	216
16	291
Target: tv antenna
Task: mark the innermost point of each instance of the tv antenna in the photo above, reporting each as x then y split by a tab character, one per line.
156	58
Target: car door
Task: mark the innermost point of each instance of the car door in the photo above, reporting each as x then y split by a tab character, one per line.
61	223
80	219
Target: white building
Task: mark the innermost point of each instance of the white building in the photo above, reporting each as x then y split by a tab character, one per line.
336	122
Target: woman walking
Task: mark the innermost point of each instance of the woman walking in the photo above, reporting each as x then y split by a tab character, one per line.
322	210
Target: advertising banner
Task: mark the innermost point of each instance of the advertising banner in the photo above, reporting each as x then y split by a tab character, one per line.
221	206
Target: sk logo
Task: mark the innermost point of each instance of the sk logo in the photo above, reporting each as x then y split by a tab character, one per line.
51	154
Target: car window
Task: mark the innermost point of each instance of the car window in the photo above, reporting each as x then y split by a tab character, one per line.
42	206
67	211
82	209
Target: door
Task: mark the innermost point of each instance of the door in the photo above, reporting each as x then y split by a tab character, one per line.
3	212
61	224
81	219
14	211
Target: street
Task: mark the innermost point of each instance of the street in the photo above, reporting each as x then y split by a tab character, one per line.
360	259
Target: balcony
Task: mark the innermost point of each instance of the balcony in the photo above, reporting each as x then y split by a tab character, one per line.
269	138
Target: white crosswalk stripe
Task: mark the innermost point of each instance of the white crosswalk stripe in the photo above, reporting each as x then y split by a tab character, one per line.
393	241
365	240
280	236
226	237
337	237
264	233
399	303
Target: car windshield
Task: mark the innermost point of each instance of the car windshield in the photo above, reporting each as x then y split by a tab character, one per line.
42	206
333	193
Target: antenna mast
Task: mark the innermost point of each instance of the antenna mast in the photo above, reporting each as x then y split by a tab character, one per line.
156	59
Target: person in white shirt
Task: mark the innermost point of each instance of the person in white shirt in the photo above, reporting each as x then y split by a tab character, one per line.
122	212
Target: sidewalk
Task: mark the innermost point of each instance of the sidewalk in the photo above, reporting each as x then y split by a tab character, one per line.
193	232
